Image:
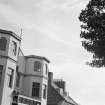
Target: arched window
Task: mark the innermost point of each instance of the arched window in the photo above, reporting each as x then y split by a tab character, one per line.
3	43
37	66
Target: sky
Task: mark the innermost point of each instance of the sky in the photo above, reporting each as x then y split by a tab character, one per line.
51	28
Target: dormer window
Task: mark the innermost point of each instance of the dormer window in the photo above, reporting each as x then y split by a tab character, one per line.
37	66
3	43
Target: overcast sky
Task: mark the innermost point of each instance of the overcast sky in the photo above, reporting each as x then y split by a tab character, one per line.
51	28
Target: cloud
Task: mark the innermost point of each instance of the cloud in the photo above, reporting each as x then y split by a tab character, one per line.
54	30
51	29
48	4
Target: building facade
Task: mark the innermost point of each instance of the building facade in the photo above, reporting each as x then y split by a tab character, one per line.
26	80
23	79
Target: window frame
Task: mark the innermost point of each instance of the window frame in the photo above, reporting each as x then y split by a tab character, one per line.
36	89
1	72
10	75
14	48
44	91
3	43
46	69
37	66
18	77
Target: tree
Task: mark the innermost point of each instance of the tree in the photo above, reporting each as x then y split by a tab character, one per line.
93	31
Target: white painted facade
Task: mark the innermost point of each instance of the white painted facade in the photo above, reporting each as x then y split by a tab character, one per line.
14	62
9	61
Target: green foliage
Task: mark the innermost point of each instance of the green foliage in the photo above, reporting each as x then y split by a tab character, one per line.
93	31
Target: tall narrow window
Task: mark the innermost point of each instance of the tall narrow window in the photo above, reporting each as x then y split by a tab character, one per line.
37	66
10	77
14	48
3	43
35	89
18	80
1	70
18	76
46	69
44	91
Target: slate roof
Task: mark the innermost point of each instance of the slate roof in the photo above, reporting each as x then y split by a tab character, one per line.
67	99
